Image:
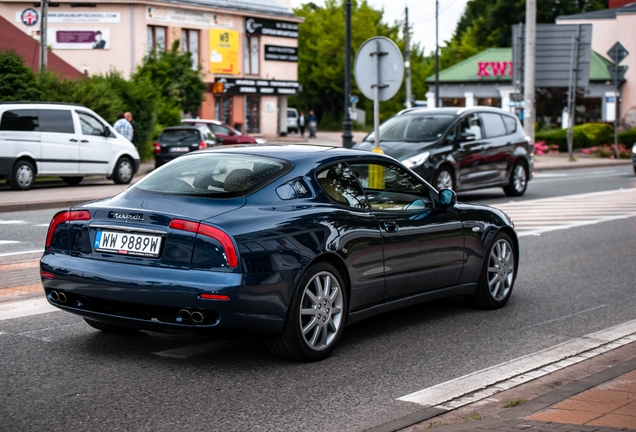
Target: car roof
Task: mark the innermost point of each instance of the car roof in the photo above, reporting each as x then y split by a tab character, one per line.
200	121
296	152
453	111
171	128
42	104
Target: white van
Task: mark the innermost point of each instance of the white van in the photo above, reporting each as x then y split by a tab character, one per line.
292	120
66	140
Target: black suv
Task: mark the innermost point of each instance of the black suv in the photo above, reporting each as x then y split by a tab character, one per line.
459	148
175	141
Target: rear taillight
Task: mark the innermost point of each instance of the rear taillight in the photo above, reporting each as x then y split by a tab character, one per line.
157	148
209	231
203	145
65	216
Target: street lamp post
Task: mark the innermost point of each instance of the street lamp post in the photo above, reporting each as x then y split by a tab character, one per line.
437	54
347	136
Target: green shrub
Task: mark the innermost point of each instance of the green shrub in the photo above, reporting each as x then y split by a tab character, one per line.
17	80
559	137
597	133
628	137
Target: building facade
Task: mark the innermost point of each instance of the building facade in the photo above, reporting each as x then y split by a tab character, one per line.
616	24
485	79
247	49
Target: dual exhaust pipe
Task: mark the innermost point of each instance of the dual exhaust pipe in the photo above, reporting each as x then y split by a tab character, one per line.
194	316
58	297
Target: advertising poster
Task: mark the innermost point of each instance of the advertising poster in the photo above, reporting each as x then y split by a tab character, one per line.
224	52
81	39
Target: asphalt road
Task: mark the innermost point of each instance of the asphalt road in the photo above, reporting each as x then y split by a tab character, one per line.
56	373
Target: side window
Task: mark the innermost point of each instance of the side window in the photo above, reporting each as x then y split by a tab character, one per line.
23	120
218	129
340	183
60	121
511	124
493	125
470	125
90	125
390	187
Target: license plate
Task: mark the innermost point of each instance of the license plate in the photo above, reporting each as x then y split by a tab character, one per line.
179	149
128	244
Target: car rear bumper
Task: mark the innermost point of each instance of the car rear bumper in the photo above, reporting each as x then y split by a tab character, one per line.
149	298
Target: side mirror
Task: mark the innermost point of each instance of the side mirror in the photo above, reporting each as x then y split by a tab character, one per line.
466	136
447	198
107	133
231	133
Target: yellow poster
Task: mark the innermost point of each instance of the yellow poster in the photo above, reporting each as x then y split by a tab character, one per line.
224	52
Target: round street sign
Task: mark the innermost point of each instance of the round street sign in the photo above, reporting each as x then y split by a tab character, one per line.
388	74
30	17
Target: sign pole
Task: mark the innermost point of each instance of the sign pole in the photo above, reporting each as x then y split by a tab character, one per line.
43	30
376	98
347	136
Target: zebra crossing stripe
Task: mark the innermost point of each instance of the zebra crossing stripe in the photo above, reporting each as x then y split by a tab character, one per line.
535	217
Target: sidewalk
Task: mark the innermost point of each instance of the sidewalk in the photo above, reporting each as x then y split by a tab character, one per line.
47	195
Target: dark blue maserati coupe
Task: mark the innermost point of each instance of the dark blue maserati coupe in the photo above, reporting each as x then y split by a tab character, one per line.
290	242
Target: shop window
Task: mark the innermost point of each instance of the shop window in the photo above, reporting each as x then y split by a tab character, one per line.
190	42
156	38
493	102
252	55
223	109
252	114
453	102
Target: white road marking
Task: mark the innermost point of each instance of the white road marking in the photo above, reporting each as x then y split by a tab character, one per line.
21	253
11	222
7	242
185	353
484	383
25	308
564	317
42	225
535	217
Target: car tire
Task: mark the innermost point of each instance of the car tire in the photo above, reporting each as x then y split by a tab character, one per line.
23	175
443	179
518	180
315	318
109	328
124	171
72	181
497	276
634	169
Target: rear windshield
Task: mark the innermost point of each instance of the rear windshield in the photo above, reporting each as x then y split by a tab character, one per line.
217	175
179	136
413	127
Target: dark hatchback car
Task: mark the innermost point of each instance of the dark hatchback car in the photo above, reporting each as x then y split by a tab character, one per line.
291	242
460	149
175	141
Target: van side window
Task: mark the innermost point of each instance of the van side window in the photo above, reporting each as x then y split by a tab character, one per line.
24	120
511	124
493	125
90	125
60	121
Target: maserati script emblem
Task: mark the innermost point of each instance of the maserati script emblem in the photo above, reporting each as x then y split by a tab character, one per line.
129	216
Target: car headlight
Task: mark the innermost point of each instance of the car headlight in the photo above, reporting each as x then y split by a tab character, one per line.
417	160
634	149
261	141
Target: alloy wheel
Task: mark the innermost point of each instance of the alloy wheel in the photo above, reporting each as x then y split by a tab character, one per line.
444	180
501	269
519	178
321	311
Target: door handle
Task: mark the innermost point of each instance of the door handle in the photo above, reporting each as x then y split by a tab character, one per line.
390	226
73	140
84	141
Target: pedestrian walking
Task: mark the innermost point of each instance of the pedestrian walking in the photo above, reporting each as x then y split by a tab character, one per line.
301	123
128	115
123	126
313	123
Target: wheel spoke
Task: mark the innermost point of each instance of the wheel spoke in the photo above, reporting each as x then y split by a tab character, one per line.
326	286
335	310
311	297
310	325
334	294
314	337
308	311
324	335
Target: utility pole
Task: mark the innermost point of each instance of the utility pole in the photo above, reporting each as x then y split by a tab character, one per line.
529	113
347	136
407	56
437	104
43	45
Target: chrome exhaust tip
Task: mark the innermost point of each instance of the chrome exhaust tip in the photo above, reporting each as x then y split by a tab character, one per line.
54	296
185	315
197	317
62	297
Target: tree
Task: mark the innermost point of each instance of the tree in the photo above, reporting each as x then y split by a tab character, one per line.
17	81
171	72
321	59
